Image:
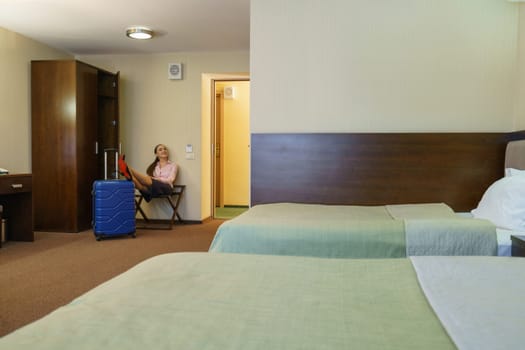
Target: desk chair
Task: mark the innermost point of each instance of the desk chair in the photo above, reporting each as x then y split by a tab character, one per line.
173	199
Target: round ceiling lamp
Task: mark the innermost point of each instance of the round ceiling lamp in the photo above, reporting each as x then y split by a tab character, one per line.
141	33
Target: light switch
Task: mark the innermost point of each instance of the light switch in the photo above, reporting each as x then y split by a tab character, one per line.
189	148
190	155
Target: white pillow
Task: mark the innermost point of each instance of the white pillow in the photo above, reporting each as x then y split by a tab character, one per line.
504	203
514	172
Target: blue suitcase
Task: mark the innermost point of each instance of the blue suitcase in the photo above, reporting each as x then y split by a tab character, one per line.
113	208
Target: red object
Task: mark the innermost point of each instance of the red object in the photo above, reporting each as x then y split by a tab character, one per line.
123	167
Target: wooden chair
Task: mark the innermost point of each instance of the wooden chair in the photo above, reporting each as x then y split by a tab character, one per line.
173	199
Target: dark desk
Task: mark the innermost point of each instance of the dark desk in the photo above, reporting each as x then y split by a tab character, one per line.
17	199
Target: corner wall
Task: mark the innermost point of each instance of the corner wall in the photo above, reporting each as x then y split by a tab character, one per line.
16	54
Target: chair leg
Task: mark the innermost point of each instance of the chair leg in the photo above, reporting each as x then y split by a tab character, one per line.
173	200
175	213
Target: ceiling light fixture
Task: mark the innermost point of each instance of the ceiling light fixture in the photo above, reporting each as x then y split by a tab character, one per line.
140	33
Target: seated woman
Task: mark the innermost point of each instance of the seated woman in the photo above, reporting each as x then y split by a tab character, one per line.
160	174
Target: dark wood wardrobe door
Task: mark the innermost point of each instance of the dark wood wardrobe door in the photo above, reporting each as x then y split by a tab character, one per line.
64	109
87	135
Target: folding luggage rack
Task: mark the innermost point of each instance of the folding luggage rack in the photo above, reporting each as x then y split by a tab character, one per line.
173	199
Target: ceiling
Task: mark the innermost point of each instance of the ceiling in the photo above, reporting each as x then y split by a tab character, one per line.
83	27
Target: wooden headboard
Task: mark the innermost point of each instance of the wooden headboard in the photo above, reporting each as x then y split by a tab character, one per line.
377	168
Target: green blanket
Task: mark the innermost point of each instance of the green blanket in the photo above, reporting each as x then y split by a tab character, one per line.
208	301
355	231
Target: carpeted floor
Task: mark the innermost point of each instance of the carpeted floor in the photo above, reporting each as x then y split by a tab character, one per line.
37	277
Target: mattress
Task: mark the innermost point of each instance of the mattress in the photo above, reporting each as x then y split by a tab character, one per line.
343	231
235	301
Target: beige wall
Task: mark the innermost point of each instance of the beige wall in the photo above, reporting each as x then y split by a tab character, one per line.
519	114
235	152
344	65
156	110
16	53
354	65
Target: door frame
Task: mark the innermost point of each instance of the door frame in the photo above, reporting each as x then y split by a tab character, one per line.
213	165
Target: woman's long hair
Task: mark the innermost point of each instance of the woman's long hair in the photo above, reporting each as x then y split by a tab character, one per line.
152	166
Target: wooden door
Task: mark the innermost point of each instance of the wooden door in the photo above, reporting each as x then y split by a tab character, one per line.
63	116
218	197
87	135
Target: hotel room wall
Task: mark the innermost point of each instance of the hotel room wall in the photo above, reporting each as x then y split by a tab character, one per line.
16	53
520	88
398	66
156	110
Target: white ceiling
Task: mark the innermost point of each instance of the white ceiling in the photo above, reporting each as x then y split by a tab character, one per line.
98	26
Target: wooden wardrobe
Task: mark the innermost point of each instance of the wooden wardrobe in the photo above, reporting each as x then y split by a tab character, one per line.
74	119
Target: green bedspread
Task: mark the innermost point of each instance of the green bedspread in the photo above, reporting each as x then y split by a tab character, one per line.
338	231
208	301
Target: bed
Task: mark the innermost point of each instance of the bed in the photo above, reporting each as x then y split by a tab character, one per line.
235	301
336	231
350	231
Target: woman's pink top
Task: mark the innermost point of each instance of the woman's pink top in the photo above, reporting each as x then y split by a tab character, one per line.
167	173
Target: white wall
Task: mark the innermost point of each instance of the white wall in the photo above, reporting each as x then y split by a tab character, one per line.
520	85
16	54
404	65
157	110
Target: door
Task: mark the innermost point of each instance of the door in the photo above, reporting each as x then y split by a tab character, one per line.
218	200
231	132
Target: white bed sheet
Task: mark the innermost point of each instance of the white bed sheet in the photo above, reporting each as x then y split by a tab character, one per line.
475	298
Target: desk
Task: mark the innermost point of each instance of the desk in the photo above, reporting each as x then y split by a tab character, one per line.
17	199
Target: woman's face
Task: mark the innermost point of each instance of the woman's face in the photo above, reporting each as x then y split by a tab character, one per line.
161	151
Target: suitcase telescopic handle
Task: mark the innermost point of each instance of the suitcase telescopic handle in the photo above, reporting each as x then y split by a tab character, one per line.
106	161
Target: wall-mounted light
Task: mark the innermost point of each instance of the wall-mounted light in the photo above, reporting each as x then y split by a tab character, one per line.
140	33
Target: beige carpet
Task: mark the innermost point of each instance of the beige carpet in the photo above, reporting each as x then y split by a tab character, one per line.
37	277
